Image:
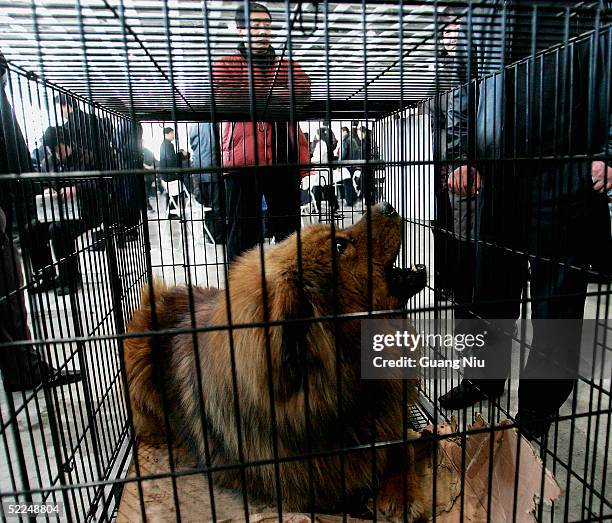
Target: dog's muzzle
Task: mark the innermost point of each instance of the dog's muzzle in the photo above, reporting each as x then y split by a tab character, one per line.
405	283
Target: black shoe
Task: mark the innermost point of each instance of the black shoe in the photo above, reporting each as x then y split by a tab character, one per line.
64	377
53	379
173	216
532	424
467	394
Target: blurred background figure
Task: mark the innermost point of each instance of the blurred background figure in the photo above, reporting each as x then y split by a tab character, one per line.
78	205
169	159
349	150
149	163
85	132
365	181
207	186
320	182
21	365
128	144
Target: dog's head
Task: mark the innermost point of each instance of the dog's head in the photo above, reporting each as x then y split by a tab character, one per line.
323	272
346	270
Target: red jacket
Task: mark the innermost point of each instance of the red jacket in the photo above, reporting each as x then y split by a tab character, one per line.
239	140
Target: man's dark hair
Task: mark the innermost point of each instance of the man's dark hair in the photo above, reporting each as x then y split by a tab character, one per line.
345	129
62	99
53	137
254	7
168	130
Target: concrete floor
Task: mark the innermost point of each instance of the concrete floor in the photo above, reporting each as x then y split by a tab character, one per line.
78	434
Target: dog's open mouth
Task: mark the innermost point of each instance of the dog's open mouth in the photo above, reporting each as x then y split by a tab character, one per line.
405	283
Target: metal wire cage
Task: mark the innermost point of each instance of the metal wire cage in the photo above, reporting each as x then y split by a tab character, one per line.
485	125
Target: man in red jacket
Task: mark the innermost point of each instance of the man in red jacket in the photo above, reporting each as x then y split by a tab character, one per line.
256	80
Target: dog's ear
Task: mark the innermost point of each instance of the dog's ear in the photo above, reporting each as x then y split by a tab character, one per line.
291	305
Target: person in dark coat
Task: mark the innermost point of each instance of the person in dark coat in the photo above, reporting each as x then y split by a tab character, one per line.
367	151
168	157
149	164
454	242
85	132
22	366
349	150
128	144
549	215
81	199
207	186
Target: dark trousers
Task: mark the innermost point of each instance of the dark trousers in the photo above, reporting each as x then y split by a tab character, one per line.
20	365
327	193
63	236
347	191
210	195
37	243
554	233
365	184
444	244
150	184
463	260
127	201
244	192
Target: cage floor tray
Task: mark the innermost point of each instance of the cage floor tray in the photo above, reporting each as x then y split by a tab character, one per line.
158	494
193	495
497	453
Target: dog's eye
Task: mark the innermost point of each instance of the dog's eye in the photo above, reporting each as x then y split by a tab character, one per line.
341	244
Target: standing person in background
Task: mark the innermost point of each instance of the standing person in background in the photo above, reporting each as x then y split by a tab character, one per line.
265	142
168	158
91	141
64	229
149	164
355	136
321	155
332	141
85	132
128	143
206	186
22	366
462	205
348	150
367	151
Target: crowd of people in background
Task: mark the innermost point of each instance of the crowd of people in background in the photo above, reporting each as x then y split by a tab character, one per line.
351	182
244	205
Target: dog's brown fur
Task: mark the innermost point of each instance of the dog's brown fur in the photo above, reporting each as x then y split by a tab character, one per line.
303	359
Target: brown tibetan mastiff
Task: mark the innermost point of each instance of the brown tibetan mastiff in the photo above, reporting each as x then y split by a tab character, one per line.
292	388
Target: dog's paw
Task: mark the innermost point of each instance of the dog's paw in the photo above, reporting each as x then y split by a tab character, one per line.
390	502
